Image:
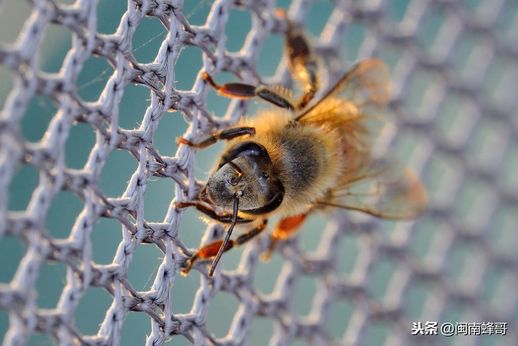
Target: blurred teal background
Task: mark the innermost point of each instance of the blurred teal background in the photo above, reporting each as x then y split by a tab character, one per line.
120	166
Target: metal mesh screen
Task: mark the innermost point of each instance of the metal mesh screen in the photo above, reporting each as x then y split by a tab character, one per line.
454	65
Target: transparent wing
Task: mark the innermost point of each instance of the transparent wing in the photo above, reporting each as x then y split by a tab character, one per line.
363	89
356	107
383	189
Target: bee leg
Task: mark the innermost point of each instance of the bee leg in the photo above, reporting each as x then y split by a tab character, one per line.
211	250
284	229
302	60
210	212
205	252
246	91
223	134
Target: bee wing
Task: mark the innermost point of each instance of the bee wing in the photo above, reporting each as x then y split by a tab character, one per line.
366	85
356	106
382	189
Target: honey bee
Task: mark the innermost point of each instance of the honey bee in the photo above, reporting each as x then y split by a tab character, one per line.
304	155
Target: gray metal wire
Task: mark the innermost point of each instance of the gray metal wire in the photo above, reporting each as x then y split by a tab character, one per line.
443	54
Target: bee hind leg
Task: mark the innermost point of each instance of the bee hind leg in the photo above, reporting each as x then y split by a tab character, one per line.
211	250
286	228
302	60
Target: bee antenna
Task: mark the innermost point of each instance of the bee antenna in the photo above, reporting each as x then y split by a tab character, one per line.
227	236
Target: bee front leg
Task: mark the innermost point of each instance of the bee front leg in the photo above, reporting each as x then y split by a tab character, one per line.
208	210
220	135
211	250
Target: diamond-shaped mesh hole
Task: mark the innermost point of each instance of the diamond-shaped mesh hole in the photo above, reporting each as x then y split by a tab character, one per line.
506	176
221	309
238	25
495	284
40	339
88	314
50	284
62	214
149	34
456	120
378	332
422	94
133	106
508	17
81	139
474	204
37	117
310	234
11	252
4	321
338	317
416	297
453	311
442	178
108	15
146	259
320	13
107	233
303	295
187	66
178	340
158	196
267	273
88	88
464	267
501	232
135	328
430	27
24	181
260	330
116	174
380	277
185	287
172	126
270	56
14	14
348	249
396	9
354	36
485	146
54	45
7	84
495	89
423	235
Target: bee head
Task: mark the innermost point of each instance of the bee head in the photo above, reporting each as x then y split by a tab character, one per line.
246	172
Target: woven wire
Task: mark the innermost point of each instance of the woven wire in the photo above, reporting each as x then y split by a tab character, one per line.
454	65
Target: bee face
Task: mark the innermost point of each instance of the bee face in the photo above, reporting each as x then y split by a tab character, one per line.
246	173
